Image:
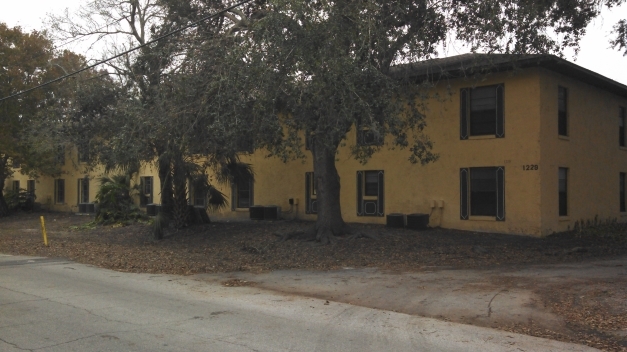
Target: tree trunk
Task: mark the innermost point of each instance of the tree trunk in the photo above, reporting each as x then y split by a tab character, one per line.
4	207
330	222
180	210
165	179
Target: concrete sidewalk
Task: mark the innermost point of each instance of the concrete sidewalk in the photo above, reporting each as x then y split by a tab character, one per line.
56	305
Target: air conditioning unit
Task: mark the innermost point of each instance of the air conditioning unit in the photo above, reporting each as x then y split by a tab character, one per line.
418	221
395	220
272	212
91	208
151	209
257	212
82	208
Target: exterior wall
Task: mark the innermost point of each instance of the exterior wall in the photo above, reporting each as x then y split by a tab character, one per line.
591	153
72	171
413	188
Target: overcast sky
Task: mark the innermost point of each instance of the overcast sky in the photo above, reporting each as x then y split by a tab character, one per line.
595	53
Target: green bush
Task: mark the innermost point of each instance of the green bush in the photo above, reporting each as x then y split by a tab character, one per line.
19	200
115	201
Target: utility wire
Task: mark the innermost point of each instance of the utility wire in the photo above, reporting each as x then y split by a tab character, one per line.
193	24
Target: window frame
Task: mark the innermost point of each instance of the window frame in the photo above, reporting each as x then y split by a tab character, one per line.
311	196
621	126
562	195
235	194
364	202
562	116
143	186
83	190
59	191
30	187
15	185
466	194
83	152
621	192
466	112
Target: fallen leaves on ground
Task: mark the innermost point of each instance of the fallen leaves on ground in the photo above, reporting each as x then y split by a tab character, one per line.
252	246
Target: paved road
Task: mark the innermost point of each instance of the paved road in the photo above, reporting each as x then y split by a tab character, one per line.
56	305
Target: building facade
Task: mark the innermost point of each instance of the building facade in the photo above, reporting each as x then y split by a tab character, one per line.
526	145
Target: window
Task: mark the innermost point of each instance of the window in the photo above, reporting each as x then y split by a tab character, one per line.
145	194
366	136
482	192
15	163
16	186
481	111
311	198
199	195
621	126
562	111
59	191
242	193
83	152
563	191
370	193
60	157
309	140
622	192
30	188
83	190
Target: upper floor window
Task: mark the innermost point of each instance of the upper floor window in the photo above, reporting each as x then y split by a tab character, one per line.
15	163
83	152
60	156
562	111
16	186
481	111
621	126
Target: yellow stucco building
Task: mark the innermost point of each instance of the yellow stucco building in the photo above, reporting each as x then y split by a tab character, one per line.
528	146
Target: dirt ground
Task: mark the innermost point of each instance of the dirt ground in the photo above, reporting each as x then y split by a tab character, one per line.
588	310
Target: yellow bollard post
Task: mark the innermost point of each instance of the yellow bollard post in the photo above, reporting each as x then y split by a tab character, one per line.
43	231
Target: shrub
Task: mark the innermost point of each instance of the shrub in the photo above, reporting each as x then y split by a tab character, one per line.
115	200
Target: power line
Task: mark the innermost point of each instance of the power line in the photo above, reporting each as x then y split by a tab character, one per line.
193	24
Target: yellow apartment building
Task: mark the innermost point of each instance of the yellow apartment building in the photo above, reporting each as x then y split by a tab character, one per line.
527	145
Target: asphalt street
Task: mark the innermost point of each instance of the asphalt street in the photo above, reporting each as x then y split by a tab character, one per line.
57	305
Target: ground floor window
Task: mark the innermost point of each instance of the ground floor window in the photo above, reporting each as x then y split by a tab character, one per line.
146	190
30	188
242	193
622	192
563	191
83	190
482	192
311	194
370	193
59	191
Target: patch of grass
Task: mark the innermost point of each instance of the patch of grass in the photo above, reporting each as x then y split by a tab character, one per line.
84	227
